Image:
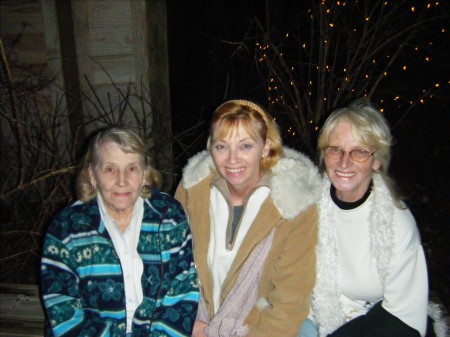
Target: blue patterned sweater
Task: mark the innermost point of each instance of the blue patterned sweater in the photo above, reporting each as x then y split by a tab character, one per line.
82	282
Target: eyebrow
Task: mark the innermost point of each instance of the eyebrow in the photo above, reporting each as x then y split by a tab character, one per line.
114	163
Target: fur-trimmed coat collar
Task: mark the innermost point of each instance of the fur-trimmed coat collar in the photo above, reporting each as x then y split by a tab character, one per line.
294	185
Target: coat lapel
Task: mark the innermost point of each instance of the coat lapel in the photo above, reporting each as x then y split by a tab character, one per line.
266	220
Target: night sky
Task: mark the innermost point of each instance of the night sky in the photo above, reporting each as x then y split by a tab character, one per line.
209	64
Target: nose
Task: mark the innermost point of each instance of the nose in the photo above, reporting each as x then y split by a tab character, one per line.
122	178
232	156
345	160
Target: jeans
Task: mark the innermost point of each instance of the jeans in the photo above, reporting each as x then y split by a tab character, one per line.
308	329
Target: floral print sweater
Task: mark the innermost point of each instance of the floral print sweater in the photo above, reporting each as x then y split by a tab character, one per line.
82	281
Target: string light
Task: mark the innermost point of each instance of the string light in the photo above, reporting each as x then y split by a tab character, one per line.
351	76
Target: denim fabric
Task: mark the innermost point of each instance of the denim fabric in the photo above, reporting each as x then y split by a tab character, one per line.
308	329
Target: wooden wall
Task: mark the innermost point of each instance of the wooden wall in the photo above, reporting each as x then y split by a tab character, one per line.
107	61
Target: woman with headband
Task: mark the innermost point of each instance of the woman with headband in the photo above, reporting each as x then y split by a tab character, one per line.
250	204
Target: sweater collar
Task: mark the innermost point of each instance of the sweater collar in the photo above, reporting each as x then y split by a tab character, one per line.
349	205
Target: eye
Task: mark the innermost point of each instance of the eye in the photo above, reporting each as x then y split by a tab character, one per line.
361	152
110	170
334	149
133	169
246	146
219	147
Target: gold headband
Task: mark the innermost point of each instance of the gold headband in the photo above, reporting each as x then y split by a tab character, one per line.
251	105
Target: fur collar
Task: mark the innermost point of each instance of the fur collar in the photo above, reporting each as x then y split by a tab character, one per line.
294	184
326	305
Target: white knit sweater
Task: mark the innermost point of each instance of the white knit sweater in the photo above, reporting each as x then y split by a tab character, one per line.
365	255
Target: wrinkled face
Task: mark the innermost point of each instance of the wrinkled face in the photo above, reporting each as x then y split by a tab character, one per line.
237	158
118	178
350	178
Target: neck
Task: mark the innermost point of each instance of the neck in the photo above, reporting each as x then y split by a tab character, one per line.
238	197
349	204
122	218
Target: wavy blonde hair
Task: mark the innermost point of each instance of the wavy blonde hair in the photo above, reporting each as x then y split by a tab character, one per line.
129	142
256	122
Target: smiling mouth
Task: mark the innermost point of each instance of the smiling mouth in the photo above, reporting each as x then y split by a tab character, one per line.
236	170
345	174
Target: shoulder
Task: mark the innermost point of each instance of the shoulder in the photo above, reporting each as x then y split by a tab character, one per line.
198	168
405	227
163	206
75	218
295	184
406	231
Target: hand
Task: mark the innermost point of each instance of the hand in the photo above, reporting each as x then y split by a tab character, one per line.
199	329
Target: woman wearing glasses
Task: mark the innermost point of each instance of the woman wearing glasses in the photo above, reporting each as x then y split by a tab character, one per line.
371	271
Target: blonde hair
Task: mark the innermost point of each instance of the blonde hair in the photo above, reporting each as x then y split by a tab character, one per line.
129	142
370	129
255	121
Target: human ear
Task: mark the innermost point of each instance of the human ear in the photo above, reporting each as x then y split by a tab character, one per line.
266	149
91	176
376	165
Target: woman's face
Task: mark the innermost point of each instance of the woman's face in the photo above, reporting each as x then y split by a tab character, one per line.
351	179
118	177
237	158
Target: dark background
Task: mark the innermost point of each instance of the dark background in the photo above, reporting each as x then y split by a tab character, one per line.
207	68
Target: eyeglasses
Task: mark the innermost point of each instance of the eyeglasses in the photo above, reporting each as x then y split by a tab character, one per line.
357	155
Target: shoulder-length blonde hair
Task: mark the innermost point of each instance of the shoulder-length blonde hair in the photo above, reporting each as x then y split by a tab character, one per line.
256	122
370	129
129	142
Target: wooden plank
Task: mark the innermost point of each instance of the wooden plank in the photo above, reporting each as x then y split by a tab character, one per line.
22	32
54	61
119	68
110	30
21	312
52	41
82	46
141	45
20	16
29	50
111	13
111	41
158	83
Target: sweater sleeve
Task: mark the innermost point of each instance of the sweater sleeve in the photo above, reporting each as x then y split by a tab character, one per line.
406	287
66	311
292	279
177	308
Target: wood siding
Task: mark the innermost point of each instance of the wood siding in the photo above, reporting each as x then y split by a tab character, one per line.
107	61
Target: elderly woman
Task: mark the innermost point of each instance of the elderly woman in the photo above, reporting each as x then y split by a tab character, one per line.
119	261
251	208
371	270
